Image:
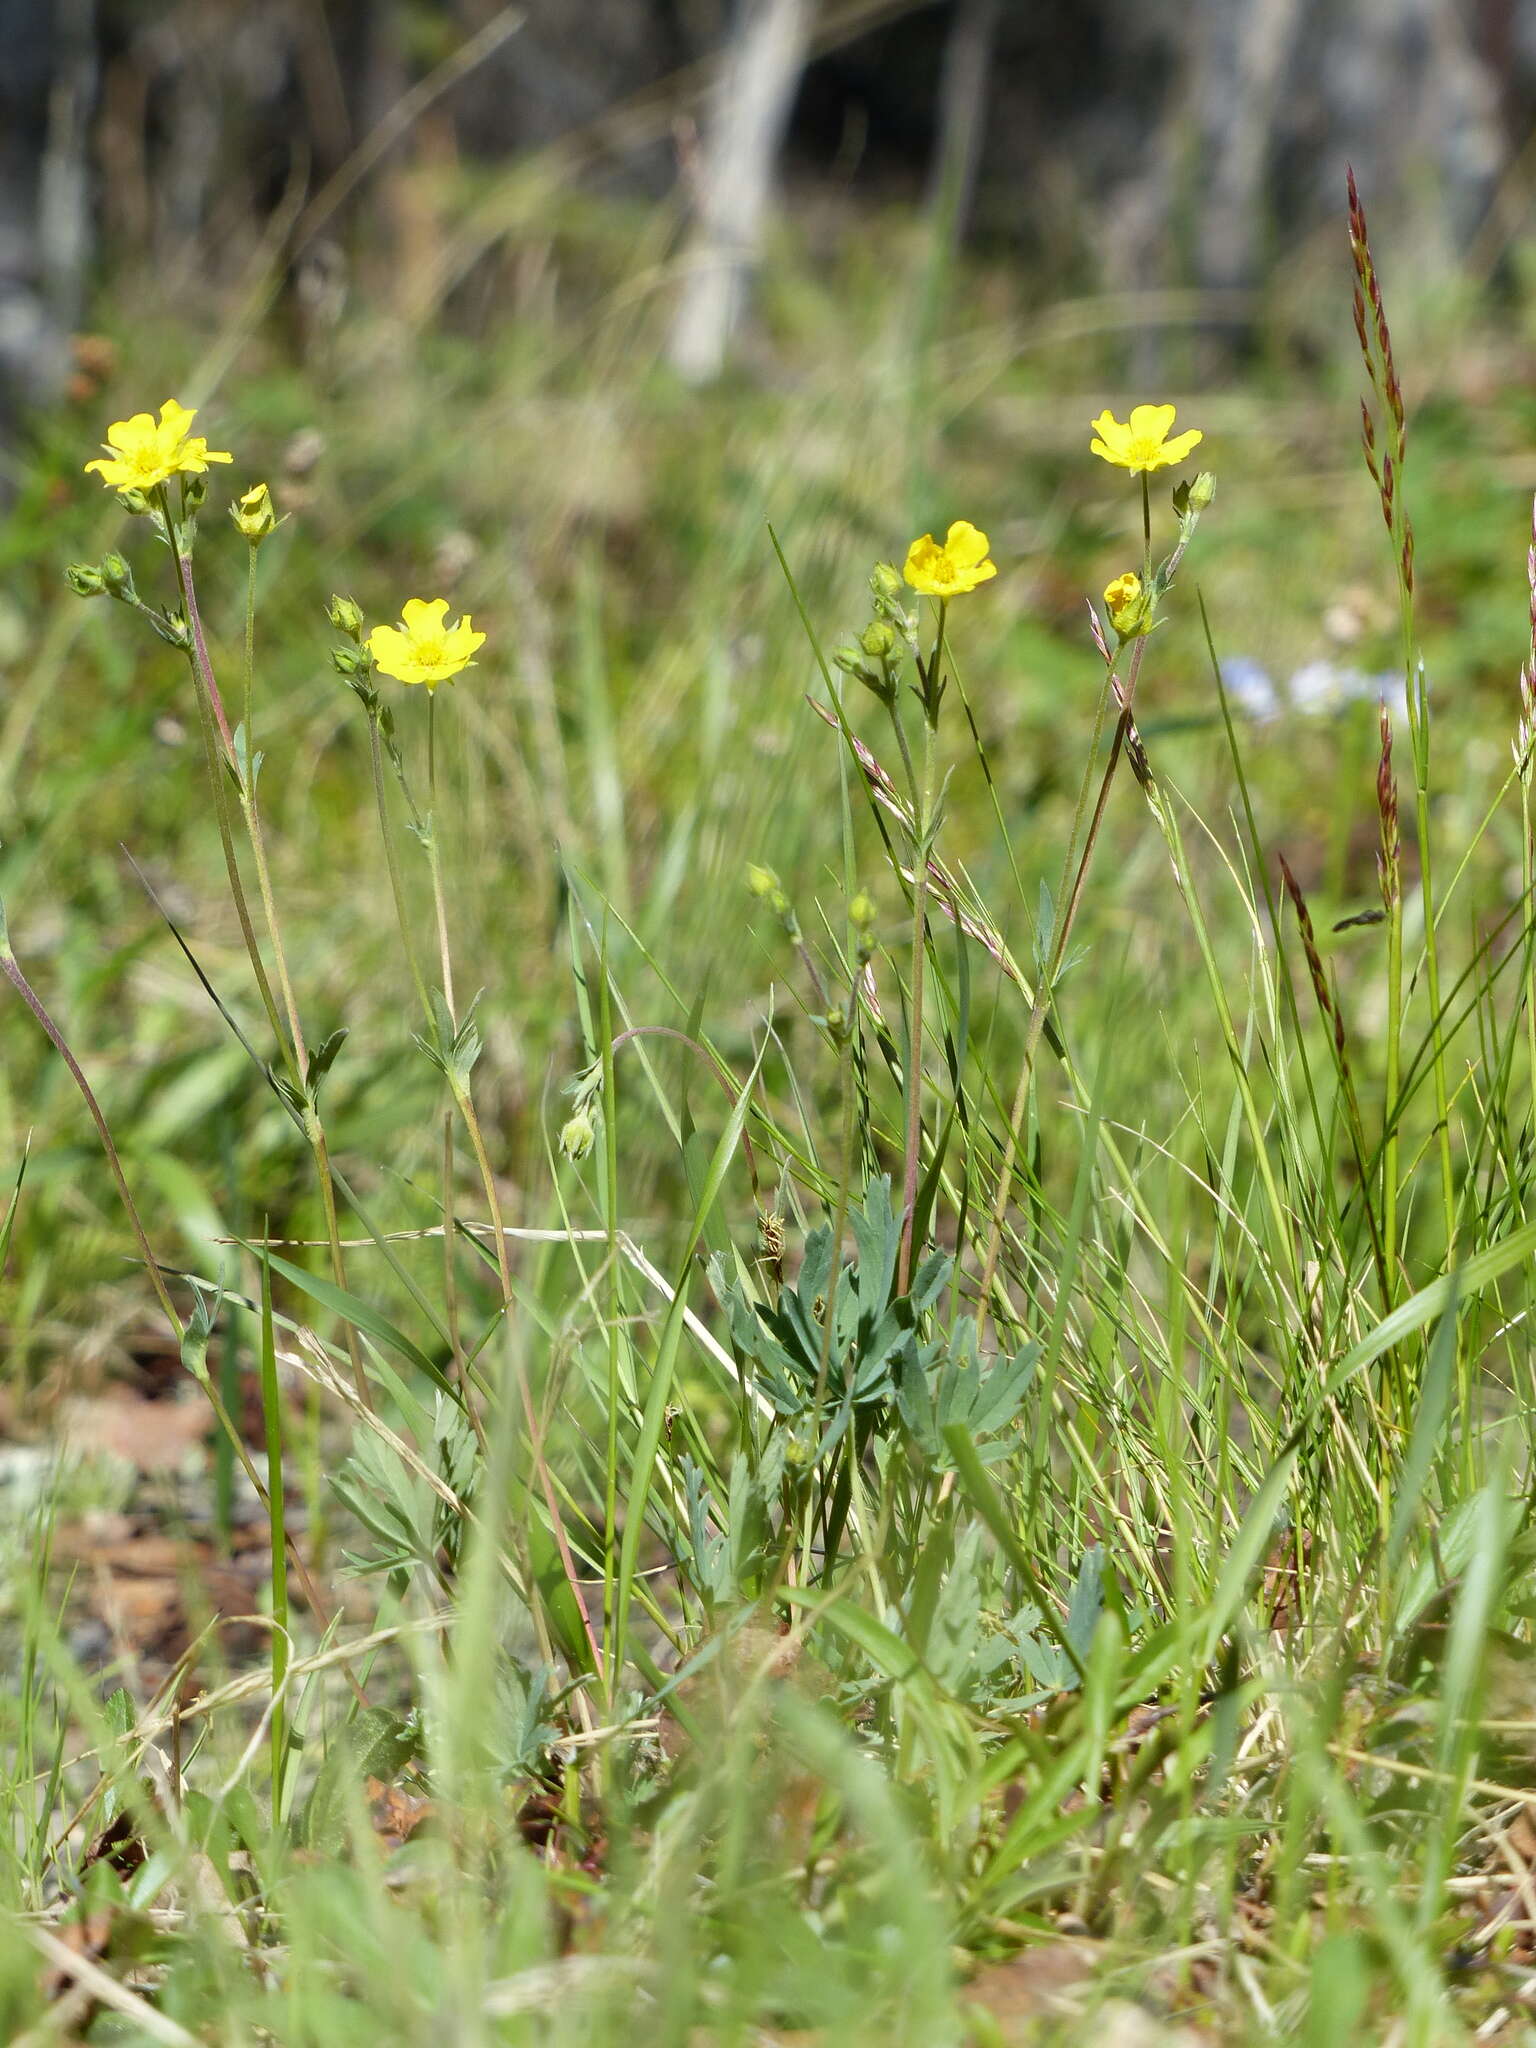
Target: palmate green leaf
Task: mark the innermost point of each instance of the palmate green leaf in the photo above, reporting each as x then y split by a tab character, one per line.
944	1384
943	1722
989	1504
376	1745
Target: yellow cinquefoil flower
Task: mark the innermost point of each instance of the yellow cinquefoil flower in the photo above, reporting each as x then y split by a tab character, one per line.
947	571
1142	443
1129	611
143	451
424	648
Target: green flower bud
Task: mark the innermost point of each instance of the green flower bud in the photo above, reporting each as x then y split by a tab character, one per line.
878	640
352	662
861	911
134	500
885	581
116	576
85	581
253	514
1129	606
346	617
194	490
762	882
1201	491
578	1137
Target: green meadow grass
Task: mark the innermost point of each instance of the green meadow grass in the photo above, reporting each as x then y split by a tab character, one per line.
796	1634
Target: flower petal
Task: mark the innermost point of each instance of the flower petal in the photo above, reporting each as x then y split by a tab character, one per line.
423	615
131	433
1151	422
965	545
1180	446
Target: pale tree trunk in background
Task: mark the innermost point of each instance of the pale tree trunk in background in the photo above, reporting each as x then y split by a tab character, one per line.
64	186
47	73
963	93
760	72
1407	95
1242	55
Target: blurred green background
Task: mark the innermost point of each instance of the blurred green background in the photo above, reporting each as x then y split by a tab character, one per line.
435	274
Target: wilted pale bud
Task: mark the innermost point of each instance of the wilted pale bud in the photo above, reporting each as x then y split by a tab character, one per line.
85	581
885	581
116	576
253	514
577	1137
346	617
878	640
1130	610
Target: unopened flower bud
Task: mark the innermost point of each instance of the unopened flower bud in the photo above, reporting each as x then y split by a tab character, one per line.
253	514
84	580
352	662
850	659
346	617
173	628
116	576
878	640
1201	490
194	490
134	500
577	1137
885	581
861	911
766	887
1130	610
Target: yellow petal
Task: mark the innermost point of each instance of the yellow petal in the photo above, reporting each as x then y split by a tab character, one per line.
1151	422
131	433
1181	444
421	615
965	544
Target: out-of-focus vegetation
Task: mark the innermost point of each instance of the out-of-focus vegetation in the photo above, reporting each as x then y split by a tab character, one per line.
1180	1636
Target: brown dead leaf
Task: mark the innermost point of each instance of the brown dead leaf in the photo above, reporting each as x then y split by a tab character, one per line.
150	1435
88	1935
1033	1985
152	1591
396	1813
119	1844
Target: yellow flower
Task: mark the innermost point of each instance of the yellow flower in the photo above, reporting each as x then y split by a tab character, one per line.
959	565
1129	612
143	451
424	648
1142	443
